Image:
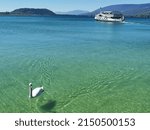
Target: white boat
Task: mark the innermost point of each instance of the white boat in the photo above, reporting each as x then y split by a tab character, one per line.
110	16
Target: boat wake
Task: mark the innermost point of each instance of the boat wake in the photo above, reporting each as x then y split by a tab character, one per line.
137	23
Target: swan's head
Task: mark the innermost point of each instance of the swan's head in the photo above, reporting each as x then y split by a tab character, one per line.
30	84
42	88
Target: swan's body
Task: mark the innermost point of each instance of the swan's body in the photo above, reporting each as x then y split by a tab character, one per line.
35	92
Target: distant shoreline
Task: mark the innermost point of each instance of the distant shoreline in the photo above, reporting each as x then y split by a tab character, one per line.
18	15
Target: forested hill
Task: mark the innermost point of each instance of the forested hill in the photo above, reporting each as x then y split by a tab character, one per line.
30	12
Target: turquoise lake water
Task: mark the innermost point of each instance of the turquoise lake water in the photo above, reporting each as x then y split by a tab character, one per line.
84	65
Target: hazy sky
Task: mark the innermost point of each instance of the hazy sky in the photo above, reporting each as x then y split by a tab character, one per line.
63	5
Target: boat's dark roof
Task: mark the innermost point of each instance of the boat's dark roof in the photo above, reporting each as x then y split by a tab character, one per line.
111	12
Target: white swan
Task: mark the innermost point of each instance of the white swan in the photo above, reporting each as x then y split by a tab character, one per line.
35	92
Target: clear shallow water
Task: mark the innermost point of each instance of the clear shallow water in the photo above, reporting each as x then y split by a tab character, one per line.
84	65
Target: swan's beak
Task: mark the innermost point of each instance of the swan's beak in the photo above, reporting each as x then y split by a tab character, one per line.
30	84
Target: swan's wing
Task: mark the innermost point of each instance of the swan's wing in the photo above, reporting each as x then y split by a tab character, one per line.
37	91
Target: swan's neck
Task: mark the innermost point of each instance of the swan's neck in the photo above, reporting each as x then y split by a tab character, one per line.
30	92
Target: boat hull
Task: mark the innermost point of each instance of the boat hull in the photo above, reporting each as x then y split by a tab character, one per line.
105	19
110	16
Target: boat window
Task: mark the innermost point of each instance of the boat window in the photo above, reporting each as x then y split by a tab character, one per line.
116	17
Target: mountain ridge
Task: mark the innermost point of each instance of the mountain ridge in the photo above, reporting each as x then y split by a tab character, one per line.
129	10
73	12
